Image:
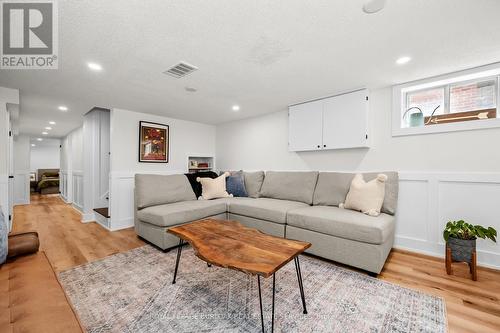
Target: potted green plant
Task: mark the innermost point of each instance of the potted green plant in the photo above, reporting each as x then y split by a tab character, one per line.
460	238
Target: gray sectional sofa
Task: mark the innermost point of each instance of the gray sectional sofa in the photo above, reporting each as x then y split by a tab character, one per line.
295	205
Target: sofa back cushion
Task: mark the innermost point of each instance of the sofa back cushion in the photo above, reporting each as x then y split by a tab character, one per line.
286	185
332	189
253	183
152	190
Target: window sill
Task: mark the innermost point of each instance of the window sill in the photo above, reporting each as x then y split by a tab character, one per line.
447	127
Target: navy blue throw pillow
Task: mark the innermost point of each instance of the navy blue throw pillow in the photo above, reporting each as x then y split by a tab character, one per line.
235	185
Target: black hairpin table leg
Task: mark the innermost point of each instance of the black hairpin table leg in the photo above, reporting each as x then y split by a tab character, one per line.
274	291
179	250
301	285
260	303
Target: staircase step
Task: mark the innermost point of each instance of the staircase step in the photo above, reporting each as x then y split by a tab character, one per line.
103	211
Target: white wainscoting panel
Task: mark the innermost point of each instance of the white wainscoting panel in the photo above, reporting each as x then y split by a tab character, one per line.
63	185
428	200
77	190
21	187
121	203
4	198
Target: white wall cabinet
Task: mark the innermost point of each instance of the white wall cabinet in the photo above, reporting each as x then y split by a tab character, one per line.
305	126
336	122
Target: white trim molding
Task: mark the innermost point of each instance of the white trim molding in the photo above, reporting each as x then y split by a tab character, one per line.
21	187
428	200
399	93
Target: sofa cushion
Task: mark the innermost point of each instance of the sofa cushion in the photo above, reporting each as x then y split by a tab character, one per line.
235	184
151	190
366	197
32	299
253	183
343	223
181	212
273	210
194	184
332	189
213	188
286	185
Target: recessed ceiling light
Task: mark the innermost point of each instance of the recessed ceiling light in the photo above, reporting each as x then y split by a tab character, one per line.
63	108
48	128
403	60
373	6
39	139
236	108
52	122
45	133
95	67
33	145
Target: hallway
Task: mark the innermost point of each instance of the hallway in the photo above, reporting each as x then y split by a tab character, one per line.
66	241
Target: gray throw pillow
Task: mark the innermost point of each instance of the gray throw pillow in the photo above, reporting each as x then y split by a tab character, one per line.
4	236
253	183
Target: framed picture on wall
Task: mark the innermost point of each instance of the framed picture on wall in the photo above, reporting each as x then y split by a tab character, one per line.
153	142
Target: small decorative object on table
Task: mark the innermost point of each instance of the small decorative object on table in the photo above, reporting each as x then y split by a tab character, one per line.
460	238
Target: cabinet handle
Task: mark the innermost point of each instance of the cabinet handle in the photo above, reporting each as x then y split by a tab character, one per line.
319	146
324	146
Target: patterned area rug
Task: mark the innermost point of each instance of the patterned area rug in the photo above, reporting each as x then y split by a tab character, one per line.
132	292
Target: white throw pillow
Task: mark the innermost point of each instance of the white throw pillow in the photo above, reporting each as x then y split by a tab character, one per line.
214	188
366	197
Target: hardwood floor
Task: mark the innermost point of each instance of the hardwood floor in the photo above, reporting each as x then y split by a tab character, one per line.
471	306
67	241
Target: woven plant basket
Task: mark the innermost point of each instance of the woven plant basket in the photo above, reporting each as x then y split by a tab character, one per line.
461	249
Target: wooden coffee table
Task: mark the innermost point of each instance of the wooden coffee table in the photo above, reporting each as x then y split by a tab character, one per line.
231	245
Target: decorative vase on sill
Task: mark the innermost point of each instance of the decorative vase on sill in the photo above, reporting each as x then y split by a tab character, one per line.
460	238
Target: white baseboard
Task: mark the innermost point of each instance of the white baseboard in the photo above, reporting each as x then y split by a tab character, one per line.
121	224
88	217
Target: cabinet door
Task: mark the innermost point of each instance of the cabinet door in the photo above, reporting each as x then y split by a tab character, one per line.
305	126
345	121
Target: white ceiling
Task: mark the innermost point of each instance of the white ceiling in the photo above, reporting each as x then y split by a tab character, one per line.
262	55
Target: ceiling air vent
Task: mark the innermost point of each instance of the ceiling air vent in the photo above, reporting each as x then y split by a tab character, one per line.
180	70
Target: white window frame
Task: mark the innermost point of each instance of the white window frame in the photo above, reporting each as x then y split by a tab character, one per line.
399	101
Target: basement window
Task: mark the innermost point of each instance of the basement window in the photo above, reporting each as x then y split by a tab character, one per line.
462	101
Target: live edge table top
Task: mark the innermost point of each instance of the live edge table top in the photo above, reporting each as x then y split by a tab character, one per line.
232	245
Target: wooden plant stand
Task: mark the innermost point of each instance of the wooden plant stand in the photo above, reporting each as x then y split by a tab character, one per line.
472	264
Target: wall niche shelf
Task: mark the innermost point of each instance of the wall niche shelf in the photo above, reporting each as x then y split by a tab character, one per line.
196	163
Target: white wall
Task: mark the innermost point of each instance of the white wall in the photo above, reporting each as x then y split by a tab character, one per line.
21	155
443	176
7	96
71	175
46	155
186	138
261	143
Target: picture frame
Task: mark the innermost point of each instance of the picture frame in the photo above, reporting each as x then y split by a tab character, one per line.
154	142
